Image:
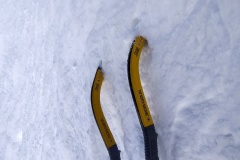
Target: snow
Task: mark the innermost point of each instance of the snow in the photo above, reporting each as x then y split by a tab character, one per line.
49	53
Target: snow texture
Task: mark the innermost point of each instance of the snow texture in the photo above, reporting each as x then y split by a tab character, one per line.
50	50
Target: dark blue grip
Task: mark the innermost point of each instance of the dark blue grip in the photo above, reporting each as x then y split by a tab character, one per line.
150	140
114	153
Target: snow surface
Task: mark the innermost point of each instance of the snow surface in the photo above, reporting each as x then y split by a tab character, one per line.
49	52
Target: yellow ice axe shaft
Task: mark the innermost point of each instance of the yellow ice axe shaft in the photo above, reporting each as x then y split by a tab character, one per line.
145	118
103	127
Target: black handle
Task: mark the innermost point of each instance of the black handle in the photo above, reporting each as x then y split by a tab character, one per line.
114	153
150	140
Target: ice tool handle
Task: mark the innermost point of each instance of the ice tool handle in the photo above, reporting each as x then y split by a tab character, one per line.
144	115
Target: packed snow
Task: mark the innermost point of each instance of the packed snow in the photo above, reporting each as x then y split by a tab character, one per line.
49	53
